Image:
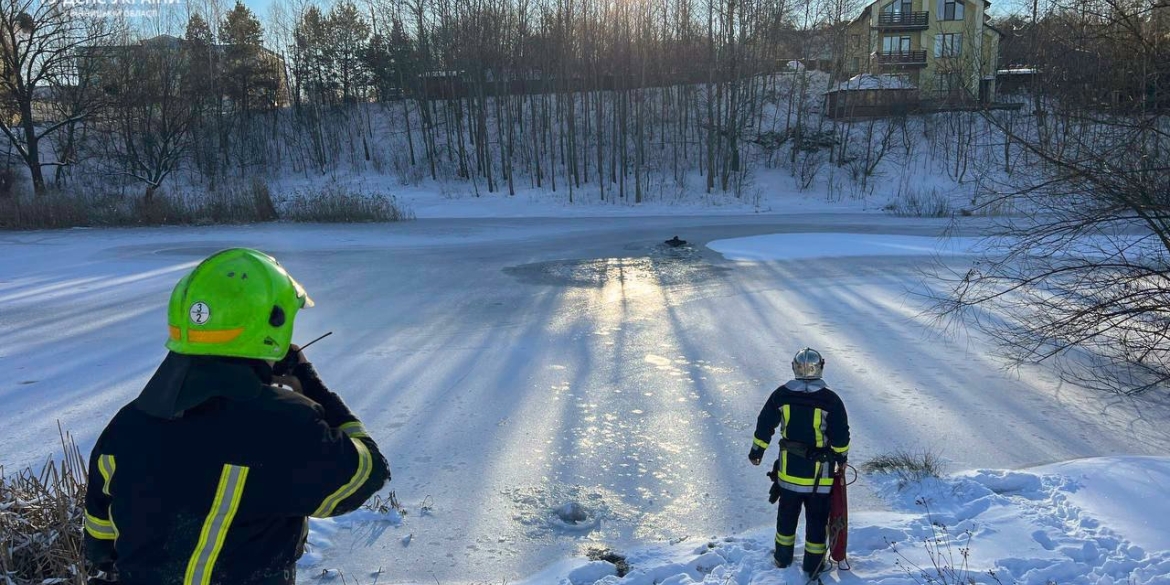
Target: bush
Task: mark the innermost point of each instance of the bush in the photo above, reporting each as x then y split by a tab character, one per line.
58	209
986	201
339	204
408	174
251	203
914	203
230	204
808	165
55	210
908	466
7	182
41	519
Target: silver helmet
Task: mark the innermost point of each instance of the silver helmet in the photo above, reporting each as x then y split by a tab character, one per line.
808	364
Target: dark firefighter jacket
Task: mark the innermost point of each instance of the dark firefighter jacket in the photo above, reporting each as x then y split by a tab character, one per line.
814	429
209	475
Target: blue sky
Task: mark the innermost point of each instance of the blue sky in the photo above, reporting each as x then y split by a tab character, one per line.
260	7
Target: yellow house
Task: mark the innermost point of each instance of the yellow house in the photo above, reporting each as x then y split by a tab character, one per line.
946	48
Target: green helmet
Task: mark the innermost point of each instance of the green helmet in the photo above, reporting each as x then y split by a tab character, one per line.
236	303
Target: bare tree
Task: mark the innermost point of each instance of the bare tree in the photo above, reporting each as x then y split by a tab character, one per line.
1083	280
153	113
75	96
38	45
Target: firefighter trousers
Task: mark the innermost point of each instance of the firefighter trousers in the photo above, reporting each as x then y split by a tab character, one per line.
816	520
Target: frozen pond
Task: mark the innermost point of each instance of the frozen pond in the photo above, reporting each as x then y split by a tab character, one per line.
513	367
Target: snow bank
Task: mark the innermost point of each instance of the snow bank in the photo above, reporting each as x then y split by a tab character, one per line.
1092	521
1128	494
322	532
825	245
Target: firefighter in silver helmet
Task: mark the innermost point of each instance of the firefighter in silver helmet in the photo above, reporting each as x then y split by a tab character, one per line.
814	436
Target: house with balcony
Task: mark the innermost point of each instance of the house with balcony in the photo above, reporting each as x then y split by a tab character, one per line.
945	48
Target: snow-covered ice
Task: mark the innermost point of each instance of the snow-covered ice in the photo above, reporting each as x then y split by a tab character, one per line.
509	367
831	245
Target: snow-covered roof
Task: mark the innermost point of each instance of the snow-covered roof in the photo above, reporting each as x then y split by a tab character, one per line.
870	81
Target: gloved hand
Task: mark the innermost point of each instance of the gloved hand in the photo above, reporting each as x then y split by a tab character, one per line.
755	455
289	362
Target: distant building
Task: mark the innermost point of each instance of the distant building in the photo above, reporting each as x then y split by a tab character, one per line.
810	48
867	95
1014	80
271	80
944	48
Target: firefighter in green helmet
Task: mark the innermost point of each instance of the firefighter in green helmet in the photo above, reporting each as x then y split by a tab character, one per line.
209	476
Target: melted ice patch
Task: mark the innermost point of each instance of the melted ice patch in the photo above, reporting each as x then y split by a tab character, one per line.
630	272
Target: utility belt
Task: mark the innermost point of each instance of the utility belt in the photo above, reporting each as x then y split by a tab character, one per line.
806	451
825	455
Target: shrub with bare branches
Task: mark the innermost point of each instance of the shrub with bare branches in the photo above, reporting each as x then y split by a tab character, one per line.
1083	281
41	518
338	203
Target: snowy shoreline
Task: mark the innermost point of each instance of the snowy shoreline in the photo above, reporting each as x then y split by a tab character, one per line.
1087	521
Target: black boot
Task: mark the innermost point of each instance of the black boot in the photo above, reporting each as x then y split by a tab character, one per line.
814	564
783	556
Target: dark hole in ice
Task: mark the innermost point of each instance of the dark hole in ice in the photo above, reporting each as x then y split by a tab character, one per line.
608	555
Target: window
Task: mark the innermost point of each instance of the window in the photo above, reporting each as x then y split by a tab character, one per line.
948	45
855	65
950	83
896	44
898	7
950	9
855	41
